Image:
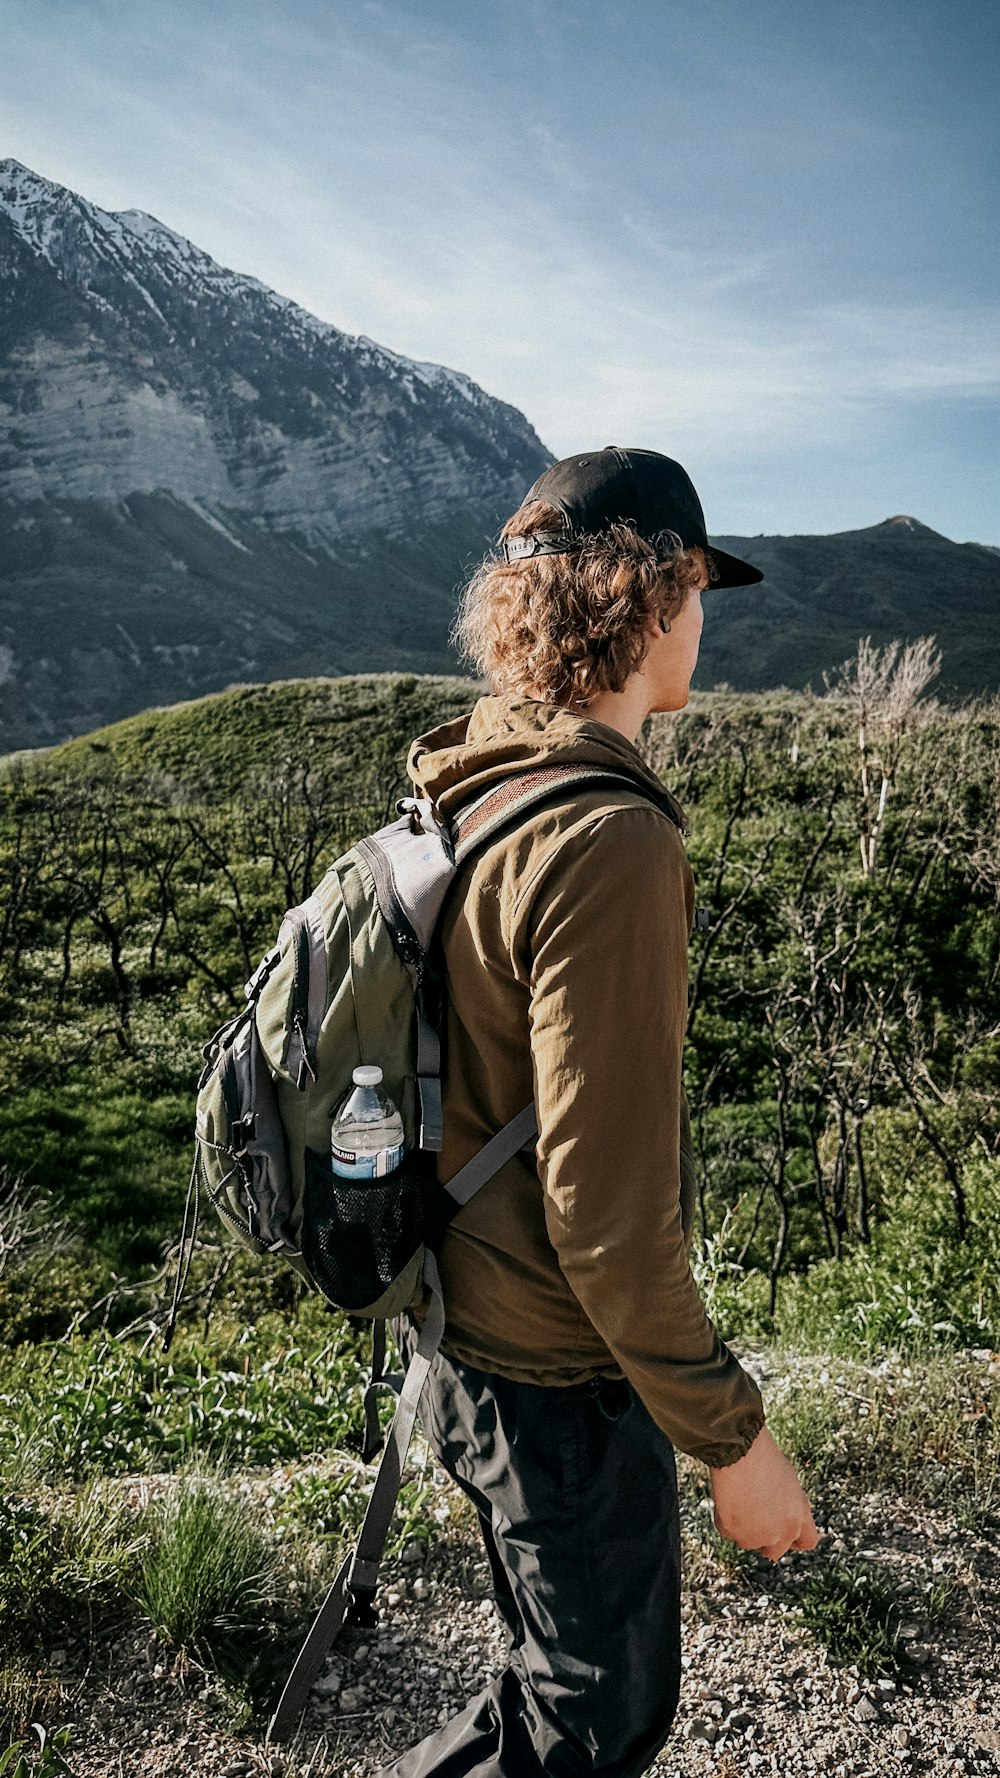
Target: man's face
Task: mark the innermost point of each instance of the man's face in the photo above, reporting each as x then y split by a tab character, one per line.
671	657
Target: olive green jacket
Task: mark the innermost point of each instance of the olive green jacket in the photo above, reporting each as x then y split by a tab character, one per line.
565	944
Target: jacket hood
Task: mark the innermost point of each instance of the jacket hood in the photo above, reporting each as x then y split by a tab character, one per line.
503	735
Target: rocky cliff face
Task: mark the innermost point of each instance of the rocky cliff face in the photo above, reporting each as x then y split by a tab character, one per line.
131	362
202	483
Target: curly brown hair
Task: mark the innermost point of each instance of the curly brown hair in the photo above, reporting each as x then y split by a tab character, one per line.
563	627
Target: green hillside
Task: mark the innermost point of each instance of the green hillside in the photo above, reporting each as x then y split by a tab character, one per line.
820	593
349	728
842	1063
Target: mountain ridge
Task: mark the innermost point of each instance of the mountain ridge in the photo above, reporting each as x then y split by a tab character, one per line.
202	380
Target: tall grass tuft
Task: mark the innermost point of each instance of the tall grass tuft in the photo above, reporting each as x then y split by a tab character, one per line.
854	1610
211	1580
63	1570
23	1697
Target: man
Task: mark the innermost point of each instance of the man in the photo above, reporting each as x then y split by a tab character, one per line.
578	1352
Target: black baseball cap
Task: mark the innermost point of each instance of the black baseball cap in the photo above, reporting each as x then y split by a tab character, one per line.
612	486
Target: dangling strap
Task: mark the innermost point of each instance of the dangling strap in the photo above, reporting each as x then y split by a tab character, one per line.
353	1590
429	1076
447	1200
185	1247
371	1444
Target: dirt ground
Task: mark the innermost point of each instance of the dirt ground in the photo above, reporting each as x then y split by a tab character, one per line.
759	1693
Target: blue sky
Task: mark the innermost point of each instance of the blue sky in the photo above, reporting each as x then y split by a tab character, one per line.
757	234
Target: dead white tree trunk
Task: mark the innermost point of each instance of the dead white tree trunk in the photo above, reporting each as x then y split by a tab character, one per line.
885	687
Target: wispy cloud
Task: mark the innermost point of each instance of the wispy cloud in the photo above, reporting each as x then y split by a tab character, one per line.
622	248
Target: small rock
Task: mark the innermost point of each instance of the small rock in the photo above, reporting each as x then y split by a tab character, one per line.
419	1588
698	1729
328	1686
351	1699
865	1710
901	1734
739	1719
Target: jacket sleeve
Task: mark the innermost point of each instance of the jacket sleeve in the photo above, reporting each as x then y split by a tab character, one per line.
601	935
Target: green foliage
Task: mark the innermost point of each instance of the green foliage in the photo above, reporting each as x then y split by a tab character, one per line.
326	1503
93	1405
60	1569
854	1610
914	1284
43	1758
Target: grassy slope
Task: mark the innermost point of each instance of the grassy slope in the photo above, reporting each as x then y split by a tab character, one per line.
225	738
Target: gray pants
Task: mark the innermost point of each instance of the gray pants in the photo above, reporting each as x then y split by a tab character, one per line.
576	1491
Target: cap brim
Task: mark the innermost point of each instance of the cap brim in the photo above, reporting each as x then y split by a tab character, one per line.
732	571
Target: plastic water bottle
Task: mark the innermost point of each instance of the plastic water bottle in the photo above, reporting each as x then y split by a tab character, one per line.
366	1139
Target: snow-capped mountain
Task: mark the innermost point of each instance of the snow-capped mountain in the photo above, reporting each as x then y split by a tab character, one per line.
202	483
131	362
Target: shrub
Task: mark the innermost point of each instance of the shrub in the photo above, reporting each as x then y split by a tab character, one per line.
914	1286
61	1570
211	1581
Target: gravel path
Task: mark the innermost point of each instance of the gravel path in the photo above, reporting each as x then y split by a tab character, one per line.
759	1694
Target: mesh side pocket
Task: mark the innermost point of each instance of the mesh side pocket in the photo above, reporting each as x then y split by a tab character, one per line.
358	1235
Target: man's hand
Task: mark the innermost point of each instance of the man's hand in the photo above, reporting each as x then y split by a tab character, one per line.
759	1502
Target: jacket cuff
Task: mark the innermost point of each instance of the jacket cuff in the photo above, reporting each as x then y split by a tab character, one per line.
723	1456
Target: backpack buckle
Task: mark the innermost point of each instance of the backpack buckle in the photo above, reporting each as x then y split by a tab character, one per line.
242	1130
424	818
362	1582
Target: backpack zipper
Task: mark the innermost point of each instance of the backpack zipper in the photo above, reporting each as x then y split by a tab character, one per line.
244	1228
300	996
403	936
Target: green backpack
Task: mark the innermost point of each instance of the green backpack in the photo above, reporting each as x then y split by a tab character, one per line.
354	977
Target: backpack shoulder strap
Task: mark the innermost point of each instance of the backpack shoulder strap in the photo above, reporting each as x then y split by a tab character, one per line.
478	821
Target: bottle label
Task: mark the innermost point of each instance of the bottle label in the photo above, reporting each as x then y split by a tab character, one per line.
348	1165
